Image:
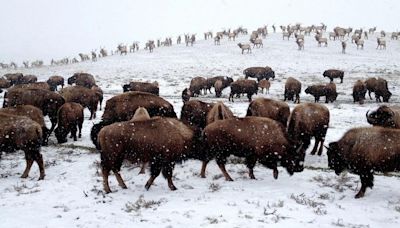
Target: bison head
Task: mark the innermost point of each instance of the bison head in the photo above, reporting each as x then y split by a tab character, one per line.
186	94
71	80
386	96
126	87
294	161
383	116
308	90
61	134
335	160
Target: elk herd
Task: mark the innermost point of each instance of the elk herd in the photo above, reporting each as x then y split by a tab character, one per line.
141	126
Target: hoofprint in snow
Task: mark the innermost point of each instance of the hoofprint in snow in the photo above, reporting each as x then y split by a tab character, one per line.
72	192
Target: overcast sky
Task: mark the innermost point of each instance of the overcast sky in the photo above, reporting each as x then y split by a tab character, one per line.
45	29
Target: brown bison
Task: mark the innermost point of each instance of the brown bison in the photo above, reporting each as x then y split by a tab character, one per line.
31	112
82	95
194	114
331	74
264	84
273	109
218	88
15	78
306	121
82	79
149	87
55	81
255	138
198	84
99	93
186	94
49	102
159	141
219	111
34	85
364	151
292	88
28	79
359	91
247	86
320	90
379	87
122	108
385	116
4	83
70	119
226	81
22	133
259	73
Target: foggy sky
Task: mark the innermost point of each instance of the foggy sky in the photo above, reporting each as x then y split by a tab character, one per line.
45	29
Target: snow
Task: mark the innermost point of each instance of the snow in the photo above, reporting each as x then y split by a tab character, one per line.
72	192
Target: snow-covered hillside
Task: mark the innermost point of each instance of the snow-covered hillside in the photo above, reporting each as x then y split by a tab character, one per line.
72	192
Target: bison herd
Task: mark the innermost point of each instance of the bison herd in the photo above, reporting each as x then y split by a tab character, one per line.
143	127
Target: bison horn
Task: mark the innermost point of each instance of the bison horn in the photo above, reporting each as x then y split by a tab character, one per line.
299	149
370	119
326	147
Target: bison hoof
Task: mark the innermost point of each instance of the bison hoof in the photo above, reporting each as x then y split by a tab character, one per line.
228	179
41	178
359	195
147	187
24	175
173	188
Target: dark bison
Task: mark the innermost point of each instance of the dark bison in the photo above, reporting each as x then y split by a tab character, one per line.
82	95
359	91
292	88
82	79
226	81
31	112
34	85
197	85
259	73
247	86
364	151
55	81
28	79
309	120
22	133
122	108
4	83
255	138
70	119
15	78
331	74
149	87
379	87
194	114
99	93
186	94
273	109
159	141
323	90
49	102
385	116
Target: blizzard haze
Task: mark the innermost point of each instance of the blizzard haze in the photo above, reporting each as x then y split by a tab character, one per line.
46	29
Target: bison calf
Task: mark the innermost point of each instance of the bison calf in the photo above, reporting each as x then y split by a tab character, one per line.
70	119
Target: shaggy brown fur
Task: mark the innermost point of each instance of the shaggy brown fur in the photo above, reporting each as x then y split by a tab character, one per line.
255	138
259	73
194	114
4	83
35	85
379	87
14	78
198	84
320	90
264	84
364	151
274	109
159	141
292	88
28	79
70	119
359	91
331	74
226	81
55	81
82	79
309	120
99	93
385	116
88	98
22	133
142	87
247	86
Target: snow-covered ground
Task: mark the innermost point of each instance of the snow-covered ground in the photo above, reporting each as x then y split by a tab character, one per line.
72	195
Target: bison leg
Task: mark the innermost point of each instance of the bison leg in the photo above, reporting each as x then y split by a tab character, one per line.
143	168
106	173
249	96
221	164
80	128
53	120
251	162
39	160
366	181
121	182
203	169
369	93
155	169
315	146
341	79
167	173
297	99
29	162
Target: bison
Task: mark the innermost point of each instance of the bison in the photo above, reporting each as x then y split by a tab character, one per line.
385	116
99	93
198	84
292	88
82	95
142	87
320	90
379	87
247	86
194	114
122	108
82	79
70	119
309	120
15	78
331	74
226	81
49	102
34	85
22	133
259	73
55	81
264	84
364	151
4	83
28	79
273	109
255	138
160	141
31	112
359	91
